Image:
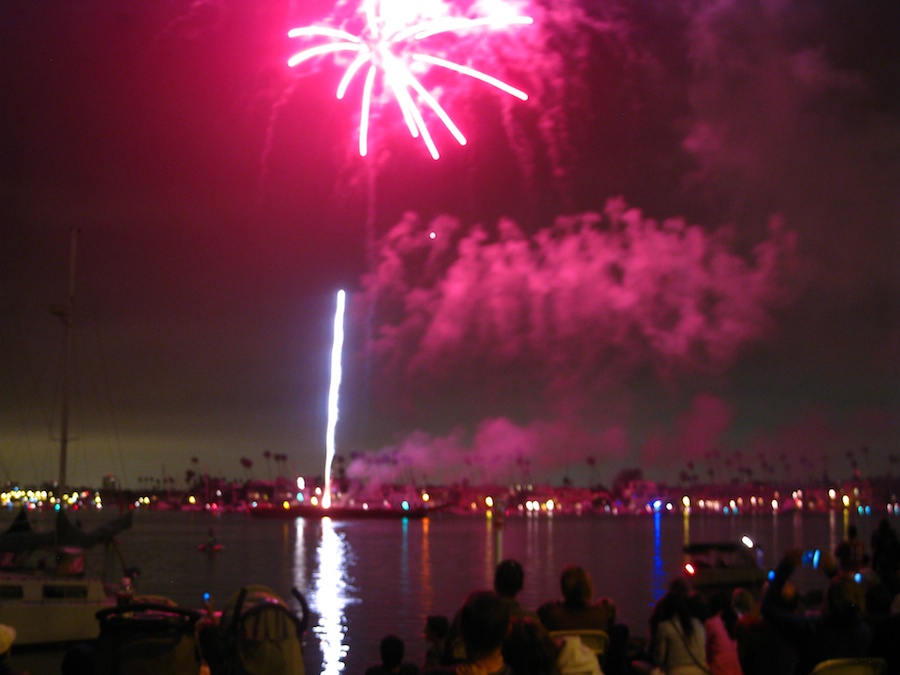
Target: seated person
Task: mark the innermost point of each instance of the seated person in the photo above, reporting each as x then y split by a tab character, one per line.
392	650
576	610
509	579
483	624
435	631
530	650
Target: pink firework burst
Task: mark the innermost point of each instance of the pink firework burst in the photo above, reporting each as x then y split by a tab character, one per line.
393	46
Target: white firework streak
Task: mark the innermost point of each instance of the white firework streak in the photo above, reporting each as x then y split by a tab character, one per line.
389	51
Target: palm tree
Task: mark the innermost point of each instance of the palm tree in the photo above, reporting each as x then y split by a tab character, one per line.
591	461
247	463
267	454
865	452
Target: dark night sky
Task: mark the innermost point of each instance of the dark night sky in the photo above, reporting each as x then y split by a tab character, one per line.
732	302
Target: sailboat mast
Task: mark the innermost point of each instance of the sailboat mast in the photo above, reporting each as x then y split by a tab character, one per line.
68	319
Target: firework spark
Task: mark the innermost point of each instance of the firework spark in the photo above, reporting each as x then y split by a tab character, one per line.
391	43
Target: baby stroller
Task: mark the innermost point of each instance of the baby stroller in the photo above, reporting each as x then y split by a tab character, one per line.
149	636
257	634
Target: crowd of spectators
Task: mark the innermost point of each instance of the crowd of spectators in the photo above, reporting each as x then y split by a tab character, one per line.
856	614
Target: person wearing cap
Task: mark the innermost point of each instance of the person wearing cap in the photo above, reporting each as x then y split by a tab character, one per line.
7	637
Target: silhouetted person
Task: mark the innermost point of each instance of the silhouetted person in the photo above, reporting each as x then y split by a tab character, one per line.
838	632
679	640
576	610
392	650
529	649
851	551
721	646
483	623
436	630
886	555
509	580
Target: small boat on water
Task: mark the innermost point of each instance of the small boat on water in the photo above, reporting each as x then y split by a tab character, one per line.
715	566
293	510
45	593
210	548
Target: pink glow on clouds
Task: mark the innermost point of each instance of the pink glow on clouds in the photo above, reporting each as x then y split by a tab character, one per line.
591	296
543	327
498	449
699	433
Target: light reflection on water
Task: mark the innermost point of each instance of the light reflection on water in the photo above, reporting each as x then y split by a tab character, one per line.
331	592
426	575
658	576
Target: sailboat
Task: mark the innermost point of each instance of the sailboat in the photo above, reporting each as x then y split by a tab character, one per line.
45	593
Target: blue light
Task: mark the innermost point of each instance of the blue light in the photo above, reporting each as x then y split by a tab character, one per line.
857	578
771	575
404	505
657	504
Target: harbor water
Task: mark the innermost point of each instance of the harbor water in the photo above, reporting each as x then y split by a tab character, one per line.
365	579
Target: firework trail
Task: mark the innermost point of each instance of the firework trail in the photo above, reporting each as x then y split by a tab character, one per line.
333	392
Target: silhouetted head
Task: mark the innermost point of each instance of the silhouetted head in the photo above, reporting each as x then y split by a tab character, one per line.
483	622
436	627
528	648
576	585
509	578
392	650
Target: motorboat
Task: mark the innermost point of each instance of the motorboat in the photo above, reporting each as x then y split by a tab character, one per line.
714	566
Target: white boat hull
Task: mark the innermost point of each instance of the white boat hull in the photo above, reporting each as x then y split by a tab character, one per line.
47	609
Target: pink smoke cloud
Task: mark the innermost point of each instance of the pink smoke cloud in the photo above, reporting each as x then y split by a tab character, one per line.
584	302
698	433
532	333
497	449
